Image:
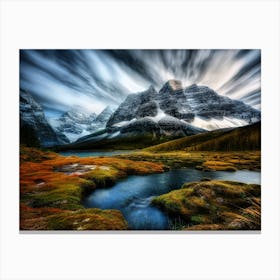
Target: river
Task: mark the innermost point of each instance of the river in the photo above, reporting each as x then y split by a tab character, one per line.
133	195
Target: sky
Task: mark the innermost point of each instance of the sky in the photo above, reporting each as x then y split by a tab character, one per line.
94	79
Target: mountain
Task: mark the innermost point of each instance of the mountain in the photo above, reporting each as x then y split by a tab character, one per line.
73	123
244	138
151	117
199	106
77	123
101	120
34	127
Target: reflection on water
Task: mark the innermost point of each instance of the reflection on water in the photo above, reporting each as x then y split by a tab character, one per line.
95	153
133	195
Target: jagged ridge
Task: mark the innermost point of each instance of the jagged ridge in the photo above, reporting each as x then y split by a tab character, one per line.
34	127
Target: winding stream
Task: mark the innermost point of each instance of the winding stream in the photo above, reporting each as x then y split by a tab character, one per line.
133	195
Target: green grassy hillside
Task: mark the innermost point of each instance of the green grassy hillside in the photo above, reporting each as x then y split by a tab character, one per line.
246	138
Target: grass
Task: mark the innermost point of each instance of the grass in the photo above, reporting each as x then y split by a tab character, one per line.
104	178
124	143
213	204
203	160
218	166
68	197
83	219
235	139
47	189
245	138
32	154
87	219
51	196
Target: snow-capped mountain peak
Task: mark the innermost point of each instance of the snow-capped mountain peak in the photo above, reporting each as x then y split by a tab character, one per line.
77	123
172	112
197	105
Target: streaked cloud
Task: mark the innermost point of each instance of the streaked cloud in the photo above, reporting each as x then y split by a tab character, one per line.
93	79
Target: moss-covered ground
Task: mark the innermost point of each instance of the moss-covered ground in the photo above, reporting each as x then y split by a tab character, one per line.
52	188
222	161
214	205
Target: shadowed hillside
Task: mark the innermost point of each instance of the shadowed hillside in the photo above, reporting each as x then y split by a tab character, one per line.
238	139
133	142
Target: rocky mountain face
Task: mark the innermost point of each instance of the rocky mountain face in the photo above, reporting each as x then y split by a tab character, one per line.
74	123
100	120
197	105
34	127
77	123
172	112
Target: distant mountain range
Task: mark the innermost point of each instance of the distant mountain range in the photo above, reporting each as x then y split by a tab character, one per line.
151	117
76	123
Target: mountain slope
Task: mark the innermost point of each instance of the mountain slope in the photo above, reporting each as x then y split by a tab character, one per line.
151	117
77	123
139	133
200	106
73	123
232	139
101	120
34	127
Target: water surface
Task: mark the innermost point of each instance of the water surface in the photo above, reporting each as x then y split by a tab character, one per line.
97	153
133	195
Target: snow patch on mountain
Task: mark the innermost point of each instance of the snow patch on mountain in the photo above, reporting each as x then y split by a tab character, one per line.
114	135
173	111
214	123
76	123
159	116
194	104
124	123
73	137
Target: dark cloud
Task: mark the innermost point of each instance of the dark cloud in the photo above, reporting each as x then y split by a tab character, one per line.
93	79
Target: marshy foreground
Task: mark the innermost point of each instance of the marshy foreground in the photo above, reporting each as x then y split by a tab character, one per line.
55	190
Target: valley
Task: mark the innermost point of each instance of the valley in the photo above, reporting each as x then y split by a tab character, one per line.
174	159
76	193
